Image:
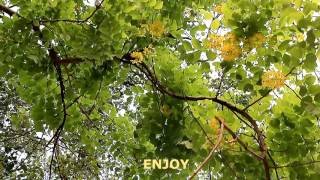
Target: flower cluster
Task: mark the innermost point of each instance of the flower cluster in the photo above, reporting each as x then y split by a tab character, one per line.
231	38
256	40
213	124
142	30
273	79
156	29
228	45
218	9
215	41
147	50
300	37
165	110
230	51
137	57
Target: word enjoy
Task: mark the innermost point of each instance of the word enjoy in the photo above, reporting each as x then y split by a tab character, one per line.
165	163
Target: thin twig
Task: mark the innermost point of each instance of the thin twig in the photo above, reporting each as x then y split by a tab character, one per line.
199	124
74	20
210	140
293	91
8	11
238	139
260	137
242	120
220	84
268	92
297	164
257	100
73	102
214	148
274	164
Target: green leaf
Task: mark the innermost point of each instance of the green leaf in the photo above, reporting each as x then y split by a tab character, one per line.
296	52
207	15
215	24
211	55
317	98
152	3
303	90
129	8
187	46
205	67
196	43
275	123
310	37
159	5
310	62
309	79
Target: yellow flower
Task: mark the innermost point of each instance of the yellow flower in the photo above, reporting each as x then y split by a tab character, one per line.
246	46
214	41
137	57
213	123
231	140
147	51
227	44
156	29
142	30
300	37
207	144
218	9
231	37
165	110
256	40
273	79
230	51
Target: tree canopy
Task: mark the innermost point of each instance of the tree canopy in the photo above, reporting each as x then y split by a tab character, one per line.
89	90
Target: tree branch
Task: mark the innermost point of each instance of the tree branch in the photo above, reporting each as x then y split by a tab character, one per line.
220	84
293	91
257	100
214	148
55	58
144	68
238	139
202	129
267	93
296	164
8	11
210	140
75	20
274	164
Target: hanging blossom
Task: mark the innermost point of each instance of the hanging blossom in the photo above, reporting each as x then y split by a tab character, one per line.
218	9
300	37
156	29
227	44
214	41
231	48
213	123
137	57
230	51
273	79
148	50
256	40
165	109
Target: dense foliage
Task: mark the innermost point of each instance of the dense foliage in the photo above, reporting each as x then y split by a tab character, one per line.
90	90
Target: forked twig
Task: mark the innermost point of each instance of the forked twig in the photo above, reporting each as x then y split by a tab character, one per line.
214	148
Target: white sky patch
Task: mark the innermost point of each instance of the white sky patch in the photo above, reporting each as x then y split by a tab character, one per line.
90	2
